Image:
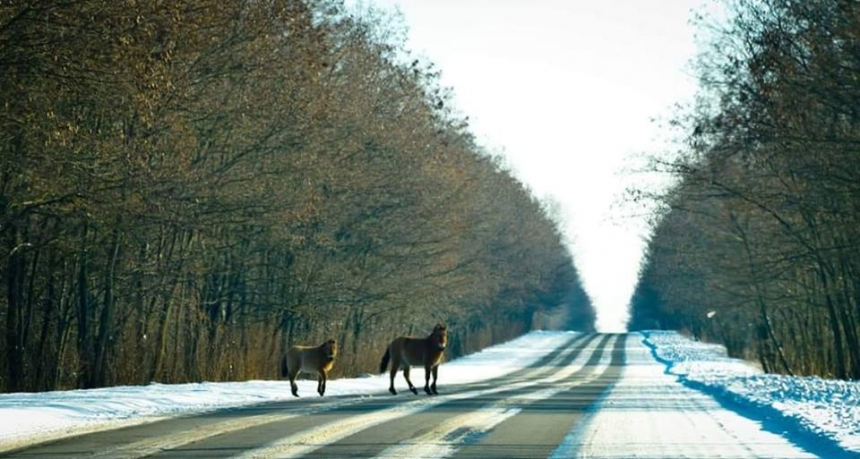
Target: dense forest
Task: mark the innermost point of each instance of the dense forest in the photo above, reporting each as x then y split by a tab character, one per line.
187	187
758	245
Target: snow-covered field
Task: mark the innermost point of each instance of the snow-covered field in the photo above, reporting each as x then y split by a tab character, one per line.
820	410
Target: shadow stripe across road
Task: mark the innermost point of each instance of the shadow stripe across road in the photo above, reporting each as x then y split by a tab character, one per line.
160	438
369	434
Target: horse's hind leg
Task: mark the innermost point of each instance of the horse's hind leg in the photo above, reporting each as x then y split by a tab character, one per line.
393	373
406	376
293	386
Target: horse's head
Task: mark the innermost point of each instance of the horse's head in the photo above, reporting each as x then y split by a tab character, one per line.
329	349
439	337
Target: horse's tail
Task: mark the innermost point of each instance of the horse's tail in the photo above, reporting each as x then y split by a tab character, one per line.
285	370
385	358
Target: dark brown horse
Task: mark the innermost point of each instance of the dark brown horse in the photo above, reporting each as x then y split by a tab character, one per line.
406	351
310	359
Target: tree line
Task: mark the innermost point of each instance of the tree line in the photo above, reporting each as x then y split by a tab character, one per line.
188	187
758	245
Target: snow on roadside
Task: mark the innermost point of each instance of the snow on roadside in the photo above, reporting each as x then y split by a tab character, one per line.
821	408
32	417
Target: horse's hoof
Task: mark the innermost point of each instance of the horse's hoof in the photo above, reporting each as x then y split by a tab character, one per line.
414	390
393	392
295	394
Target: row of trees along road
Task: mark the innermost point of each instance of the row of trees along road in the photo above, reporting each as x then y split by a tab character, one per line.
189	186
759	244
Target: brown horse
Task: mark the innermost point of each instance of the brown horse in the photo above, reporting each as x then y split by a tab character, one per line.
310	359
405	351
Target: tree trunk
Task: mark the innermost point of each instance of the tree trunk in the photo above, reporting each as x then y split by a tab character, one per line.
14	286
50	315
840	370
161	347
104	341
849	321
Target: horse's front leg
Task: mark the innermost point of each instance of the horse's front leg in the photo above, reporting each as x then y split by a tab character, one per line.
323	377
406	375
435	377
427	371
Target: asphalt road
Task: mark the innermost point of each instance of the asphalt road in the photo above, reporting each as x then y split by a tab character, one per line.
523	414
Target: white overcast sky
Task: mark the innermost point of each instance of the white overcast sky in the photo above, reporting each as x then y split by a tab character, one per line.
567	91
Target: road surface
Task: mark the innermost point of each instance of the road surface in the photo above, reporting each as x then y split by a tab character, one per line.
597	396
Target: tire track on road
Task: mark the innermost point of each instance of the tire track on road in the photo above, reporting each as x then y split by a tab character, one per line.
540	427
445	439
367	435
